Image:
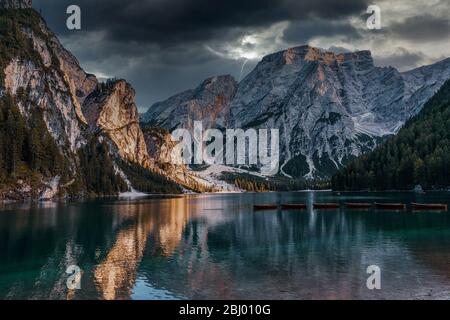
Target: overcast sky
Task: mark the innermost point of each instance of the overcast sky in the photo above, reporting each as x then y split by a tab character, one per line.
163	47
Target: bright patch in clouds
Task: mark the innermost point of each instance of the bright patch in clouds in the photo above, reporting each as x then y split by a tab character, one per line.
255	45
162	52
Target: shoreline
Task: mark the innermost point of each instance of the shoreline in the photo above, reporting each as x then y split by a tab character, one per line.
142	195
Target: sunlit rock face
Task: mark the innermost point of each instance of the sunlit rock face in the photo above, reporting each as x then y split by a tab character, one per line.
111	108
51	81
76	108
169	162
160	147
329	108
57	86
49	93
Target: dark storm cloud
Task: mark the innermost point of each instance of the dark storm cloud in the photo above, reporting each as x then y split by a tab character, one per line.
156	73
304	31
159	45
169	21
402	59
422	28
165	46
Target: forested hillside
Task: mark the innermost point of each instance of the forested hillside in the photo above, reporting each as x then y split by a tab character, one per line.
418	155
27	150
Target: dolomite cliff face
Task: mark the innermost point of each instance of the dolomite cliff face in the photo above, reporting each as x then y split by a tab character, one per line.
78	83
111	109
75	107
46	78
160	148
329	108
48	92
54	83
207	103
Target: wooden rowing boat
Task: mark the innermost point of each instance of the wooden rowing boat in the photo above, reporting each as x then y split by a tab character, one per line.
327	205
429	206
265	207
300	206
352	205
391	206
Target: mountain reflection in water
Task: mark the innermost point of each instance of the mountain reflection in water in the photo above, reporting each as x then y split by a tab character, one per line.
216	247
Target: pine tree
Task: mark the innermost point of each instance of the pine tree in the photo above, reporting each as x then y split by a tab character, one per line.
419	154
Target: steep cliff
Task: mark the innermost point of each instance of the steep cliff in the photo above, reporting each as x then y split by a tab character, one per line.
111	109
160	148
92	128
330	108
34	83
206	103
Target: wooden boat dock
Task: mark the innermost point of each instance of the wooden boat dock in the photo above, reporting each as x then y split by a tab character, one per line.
265	207
390	206
352	205
429	206
292	206
326	205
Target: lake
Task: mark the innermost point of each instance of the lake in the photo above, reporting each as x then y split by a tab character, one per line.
216	247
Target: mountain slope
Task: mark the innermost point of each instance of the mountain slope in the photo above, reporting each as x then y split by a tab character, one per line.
330	108
418	155
70	134
206	103
34	91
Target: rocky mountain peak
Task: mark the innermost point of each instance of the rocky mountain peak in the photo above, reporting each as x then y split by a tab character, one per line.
15	4
221	86
329	107
218	82
209	101
111	108
123	95
307	53
362	59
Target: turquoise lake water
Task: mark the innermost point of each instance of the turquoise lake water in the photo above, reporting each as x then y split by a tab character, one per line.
217	247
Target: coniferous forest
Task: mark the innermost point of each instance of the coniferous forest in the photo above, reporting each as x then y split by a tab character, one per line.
147	181
418	155
97	170
280	183
28	152
25	149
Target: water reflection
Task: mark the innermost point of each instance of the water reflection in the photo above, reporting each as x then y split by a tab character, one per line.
216	247
115	276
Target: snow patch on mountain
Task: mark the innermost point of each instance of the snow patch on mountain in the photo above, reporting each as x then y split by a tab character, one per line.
211	176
